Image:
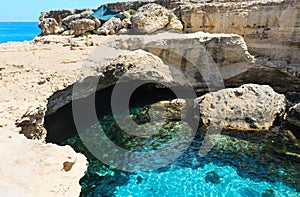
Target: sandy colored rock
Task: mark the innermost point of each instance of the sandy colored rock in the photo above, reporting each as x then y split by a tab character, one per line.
37	70
50	26
31	168
112	25
249	107
270	27
82	26
174	22
150	18
83	15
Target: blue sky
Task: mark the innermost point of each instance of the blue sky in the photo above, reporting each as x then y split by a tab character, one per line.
29	10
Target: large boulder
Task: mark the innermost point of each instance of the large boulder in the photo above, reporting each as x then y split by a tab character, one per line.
150	18
249	107
82	26
31	168
50	26
111	26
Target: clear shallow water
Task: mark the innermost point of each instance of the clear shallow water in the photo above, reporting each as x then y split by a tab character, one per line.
18	31
252	167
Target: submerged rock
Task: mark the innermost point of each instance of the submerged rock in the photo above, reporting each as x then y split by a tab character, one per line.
212	177
249	107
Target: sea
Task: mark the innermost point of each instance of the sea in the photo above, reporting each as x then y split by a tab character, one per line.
18	31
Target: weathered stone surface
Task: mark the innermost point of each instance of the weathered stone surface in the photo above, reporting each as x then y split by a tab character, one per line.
227	53
37	69
112	25
82	26
31	168
50	26
150	18
31	123
175	109
293	116
126	23
270	28
174	22
83	15
249	107
59	15
205	59
124	15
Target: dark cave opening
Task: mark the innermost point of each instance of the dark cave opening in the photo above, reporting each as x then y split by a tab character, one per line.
60	125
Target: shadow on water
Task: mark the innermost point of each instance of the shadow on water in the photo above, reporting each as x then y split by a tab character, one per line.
60	125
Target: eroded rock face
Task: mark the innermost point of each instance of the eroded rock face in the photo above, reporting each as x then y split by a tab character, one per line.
174	22
270	28
82	26
111	26
205	59
32	122
50	26
150	17
249	107
226	52
31	168
84	15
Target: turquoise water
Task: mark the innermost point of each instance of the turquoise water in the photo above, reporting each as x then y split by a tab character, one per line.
18	31
249	165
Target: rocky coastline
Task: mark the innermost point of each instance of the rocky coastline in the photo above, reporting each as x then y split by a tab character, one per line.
254	46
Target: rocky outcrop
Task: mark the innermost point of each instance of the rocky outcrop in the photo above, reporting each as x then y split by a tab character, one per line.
58	21
31	168
205	59
227	53
50	26
132	66
249	107
150	18
59	15
83	15
270	28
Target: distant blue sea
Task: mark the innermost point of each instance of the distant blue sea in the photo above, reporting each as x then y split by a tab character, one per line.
18	31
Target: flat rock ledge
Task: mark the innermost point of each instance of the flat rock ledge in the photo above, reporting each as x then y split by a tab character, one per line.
31	168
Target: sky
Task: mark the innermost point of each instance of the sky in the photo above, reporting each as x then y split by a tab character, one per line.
29	10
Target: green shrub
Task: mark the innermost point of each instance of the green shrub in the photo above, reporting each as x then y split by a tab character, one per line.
131	11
